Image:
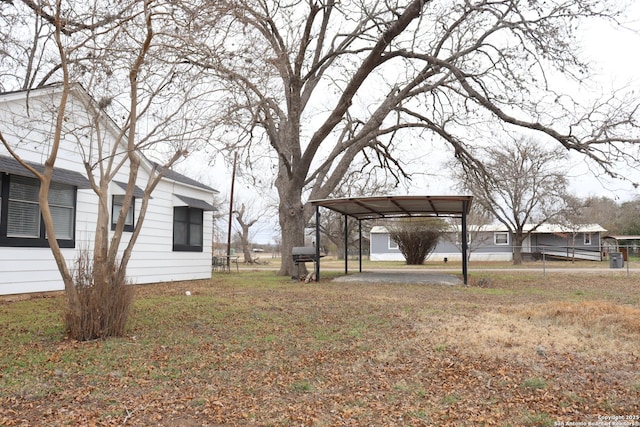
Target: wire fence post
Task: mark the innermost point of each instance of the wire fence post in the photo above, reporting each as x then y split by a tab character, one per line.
628	258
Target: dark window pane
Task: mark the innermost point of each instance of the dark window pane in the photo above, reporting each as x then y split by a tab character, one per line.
23	219
180	233
195	235
181	214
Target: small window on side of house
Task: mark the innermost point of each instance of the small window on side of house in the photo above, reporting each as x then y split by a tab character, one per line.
392	243
116	206
501	238
587	238
187	229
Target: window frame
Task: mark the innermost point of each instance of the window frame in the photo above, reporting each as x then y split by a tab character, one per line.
132	211
392	244
188	247
39	241
587	239
500	233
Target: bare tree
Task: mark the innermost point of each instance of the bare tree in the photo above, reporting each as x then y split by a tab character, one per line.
616	217
573	219
359	181
244	219
313	85
603	211
629	217
129	59
521	184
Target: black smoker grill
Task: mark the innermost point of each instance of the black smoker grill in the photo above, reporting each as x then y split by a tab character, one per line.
302	254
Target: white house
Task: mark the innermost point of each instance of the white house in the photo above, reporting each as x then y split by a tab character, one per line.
175	241
495	243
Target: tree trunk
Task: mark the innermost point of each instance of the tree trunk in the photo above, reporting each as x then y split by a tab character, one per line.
292	223
246	250
517	249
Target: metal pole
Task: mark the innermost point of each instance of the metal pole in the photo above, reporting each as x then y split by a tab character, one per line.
628	259
317	243
233	182
465	259
544	264
346	243
360	243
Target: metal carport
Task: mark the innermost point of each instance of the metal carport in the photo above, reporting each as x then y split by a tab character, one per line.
381	207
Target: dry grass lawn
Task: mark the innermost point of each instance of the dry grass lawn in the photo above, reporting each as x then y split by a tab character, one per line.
257	349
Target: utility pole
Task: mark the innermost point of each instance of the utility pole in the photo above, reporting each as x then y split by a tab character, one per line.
233	182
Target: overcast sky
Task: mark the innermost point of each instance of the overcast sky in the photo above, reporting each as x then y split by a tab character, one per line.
614	54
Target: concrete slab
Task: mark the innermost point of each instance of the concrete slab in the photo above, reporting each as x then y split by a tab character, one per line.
383	277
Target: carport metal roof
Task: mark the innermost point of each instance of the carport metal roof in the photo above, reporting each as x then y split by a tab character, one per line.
398	206
380	207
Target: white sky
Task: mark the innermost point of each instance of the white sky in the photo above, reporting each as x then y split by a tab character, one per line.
613	52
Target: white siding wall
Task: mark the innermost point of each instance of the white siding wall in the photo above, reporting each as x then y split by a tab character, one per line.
154	259
24	270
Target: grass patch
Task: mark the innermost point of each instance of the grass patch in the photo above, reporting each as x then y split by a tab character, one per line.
534	383
256	348
450	399
302	386
440	348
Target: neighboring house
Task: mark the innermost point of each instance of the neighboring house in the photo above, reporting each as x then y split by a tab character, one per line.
175	241
495	243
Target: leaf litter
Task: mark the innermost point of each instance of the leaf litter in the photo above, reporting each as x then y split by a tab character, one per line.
533	352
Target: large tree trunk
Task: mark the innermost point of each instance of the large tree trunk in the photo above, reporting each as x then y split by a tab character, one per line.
518	239
292	223
246	250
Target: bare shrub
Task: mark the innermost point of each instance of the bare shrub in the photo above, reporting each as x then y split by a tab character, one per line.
416	238
98	309
483	282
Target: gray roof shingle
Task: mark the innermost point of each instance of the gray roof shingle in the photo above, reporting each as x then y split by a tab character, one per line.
63	176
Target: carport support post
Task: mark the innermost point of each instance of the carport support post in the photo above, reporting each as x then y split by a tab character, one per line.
465	259
360	245
317	263
346	242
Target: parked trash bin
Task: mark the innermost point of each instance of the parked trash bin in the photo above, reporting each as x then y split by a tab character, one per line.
616	260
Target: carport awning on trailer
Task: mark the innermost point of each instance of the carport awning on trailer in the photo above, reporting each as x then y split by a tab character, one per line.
398	206
633	237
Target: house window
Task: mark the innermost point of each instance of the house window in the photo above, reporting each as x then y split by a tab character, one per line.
116	207
392	243
459	238
20	216
501	238
187	229
587	238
